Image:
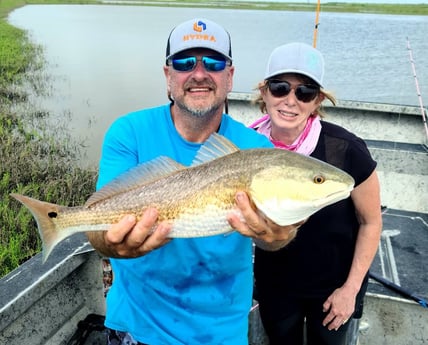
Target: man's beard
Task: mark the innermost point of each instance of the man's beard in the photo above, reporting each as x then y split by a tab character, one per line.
198	112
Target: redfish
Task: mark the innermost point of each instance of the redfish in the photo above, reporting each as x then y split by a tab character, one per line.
286	186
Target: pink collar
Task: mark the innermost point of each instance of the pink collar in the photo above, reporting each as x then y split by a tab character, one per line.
305	142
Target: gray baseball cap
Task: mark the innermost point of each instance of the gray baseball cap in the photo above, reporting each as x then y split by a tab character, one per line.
199	33
298	58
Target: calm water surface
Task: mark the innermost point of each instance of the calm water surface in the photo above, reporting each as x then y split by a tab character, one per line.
107	60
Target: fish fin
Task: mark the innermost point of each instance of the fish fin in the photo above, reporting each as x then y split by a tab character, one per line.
215	146
43	212
141	174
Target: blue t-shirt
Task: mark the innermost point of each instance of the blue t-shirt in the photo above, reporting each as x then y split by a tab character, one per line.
190	291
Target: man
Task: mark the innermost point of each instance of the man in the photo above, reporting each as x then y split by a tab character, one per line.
184	291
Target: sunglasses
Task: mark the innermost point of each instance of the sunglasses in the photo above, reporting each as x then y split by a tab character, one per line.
188	63
304	92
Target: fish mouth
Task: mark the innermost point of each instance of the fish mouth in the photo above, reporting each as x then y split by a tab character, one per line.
333	197
291	211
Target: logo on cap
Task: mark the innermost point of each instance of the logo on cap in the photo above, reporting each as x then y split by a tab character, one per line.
199	27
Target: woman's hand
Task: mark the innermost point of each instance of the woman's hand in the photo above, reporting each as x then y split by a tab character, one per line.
339	307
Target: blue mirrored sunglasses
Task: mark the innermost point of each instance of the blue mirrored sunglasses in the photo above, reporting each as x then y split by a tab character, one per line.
188	63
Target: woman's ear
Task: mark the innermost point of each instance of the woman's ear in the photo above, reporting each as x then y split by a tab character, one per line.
263	91
320	98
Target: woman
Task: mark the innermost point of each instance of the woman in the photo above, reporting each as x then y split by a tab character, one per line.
320	278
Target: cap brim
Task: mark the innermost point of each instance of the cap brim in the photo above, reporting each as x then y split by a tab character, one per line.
284	71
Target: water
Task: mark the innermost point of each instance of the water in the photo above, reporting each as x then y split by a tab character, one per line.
107	60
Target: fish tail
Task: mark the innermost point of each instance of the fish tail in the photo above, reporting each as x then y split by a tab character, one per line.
44	213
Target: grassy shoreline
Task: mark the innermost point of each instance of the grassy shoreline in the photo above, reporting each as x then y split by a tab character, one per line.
357	7
38	158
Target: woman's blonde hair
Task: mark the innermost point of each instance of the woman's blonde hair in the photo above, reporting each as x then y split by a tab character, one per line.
263	86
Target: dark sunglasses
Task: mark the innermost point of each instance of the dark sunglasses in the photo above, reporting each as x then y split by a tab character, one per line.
304	92
188	63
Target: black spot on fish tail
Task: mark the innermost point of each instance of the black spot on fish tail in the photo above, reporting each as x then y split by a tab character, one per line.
44	213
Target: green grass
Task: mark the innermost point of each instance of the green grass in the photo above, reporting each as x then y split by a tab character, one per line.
38	157
358	7
326	6
7	5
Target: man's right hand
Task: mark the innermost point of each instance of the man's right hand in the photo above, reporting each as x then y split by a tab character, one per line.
129	238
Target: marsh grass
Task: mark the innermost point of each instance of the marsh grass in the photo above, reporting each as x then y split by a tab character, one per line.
360	6
38	156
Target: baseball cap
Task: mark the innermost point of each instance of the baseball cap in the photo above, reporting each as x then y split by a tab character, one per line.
199	33
298	58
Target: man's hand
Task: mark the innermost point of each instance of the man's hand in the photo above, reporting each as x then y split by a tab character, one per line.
129	238
266	234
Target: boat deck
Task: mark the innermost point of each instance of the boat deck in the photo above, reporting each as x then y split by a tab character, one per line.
44	303
402	256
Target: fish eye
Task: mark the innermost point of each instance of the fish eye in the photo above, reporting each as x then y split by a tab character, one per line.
319	179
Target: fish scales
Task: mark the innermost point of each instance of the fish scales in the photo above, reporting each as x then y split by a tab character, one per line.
287	187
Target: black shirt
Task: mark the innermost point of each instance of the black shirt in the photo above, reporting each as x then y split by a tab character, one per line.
318	260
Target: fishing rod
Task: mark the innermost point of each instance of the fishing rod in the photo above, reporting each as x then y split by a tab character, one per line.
423	111
397	288
316	24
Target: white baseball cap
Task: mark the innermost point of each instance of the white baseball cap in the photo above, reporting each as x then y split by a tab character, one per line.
298	58
199	33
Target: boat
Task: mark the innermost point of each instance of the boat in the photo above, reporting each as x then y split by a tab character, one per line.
62	301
